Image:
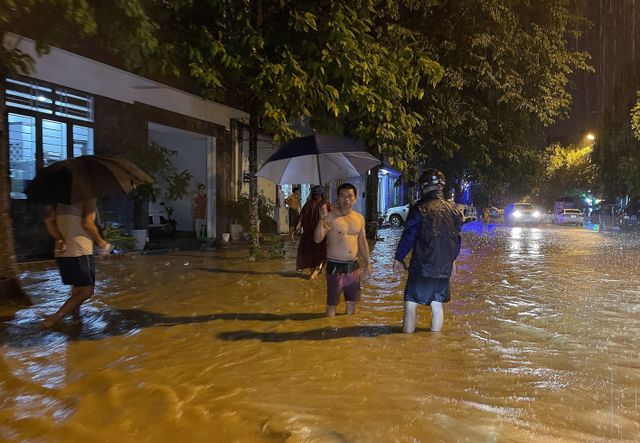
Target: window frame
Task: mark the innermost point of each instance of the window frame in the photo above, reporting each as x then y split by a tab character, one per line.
40	116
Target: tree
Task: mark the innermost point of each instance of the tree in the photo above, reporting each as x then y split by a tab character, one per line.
115	20
569	172
507	68
325	61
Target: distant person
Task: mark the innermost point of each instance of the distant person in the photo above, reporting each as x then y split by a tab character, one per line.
293	202
199	208
74	231
311	254
486	216
344	230
432	231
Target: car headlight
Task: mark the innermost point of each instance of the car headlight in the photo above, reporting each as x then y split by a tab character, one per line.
536	214
517	214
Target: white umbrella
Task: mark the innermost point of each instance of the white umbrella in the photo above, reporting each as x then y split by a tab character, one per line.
317	159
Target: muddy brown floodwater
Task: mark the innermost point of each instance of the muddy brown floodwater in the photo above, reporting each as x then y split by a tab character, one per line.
540	343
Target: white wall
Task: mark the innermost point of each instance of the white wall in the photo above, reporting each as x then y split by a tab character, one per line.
74	71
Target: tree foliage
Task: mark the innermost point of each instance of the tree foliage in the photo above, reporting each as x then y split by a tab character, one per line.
507	67
569	172
337	64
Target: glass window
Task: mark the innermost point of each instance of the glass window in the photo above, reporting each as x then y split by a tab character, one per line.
82	141
54	141
37	97
29	96
77	106
22	153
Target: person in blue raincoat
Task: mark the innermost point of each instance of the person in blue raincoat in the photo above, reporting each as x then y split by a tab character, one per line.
432	232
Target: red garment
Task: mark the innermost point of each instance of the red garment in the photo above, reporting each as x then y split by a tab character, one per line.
310	253
199	205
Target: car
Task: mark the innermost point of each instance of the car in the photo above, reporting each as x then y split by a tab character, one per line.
522	214
495	213
469	212
570	217
397	215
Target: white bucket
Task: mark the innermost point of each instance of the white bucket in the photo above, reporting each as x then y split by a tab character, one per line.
225	237
235	231
141	238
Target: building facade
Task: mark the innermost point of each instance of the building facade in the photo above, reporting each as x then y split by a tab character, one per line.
71	105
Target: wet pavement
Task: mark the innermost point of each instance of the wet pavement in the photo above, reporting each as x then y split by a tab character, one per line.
540	343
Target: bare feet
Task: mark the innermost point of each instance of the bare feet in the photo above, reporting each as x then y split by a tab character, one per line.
50	322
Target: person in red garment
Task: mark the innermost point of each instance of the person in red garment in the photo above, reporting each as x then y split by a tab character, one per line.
311	255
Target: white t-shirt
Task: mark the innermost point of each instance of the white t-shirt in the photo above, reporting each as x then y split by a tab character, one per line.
69	221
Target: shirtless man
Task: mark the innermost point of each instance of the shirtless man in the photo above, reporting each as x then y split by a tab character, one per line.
345	232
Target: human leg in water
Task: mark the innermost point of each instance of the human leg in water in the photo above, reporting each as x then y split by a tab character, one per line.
409	319
437	316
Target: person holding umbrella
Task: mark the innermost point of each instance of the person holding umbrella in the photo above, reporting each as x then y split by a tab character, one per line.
73	186
74	231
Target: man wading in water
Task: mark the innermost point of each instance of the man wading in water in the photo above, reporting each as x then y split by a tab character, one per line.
432	231
345	234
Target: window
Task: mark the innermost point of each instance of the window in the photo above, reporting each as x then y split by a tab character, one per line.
36	97
42	128
82	141
22	153
29	96
54	141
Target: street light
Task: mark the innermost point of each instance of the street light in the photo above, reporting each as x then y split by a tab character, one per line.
591	137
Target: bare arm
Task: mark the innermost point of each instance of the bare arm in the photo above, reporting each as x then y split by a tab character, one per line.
52	229
89	224
323	225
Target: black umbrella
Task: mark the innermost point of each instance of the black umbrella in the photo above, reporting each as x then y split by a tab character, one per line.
84	178
317	159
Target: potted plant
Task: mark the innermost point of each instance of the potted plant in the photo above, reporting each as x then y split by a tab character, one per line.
236	214
155	160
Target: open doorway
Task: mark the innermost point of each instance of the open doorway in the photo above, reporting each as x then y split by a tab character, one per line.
195	153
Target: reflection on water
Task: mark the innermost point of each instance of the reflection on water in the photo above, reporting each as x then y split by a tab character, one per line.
540	344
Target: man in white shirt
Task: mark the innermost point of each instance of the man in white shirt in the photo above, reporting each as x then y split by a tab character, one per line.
74	230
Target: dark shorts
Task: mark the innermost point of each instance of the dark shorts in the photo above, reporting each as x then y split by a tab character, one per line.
294	218
77	271
342	277
424	290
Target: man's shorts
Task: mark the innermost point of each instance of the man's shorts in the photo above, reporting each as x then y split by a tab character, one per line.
77	271
342	277
424	290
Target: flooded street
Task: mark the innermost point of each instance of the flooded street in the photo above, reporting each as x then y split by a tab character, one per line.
541	342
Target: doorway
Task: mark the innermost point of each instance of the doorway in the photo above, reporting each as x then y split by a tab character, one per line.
195	153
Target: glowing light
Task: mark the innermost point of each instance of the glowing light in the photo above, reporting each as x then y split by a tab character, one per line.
536	214
591	136
517	214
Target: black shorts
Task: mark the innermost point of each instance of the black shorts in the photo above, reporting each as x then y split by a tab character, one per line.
424	290
77	271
